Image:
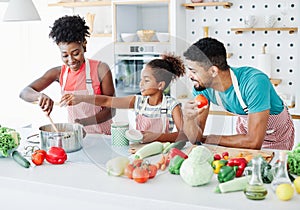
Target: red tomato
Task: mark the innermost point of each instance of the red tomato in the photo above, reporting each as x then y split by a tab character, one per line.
217	157
137	162
225	155
41	151
152	170
201	101
128	170
140	175
38	158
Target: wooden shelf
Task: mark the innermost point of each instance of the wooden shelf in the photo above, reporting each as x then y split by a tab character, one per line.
229	55
275	81
101	35
81	4
241	30
192	6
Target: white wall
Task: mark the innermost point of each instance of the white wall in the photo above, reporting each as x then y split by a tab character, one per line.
26	53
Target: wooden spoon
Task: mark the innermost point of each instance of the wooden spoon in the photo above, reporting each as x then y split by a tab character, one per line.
52	123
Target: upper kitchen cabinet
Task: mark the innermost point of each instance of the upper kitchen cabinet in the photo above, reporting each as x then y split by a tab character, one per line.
148	17
150	22
80	3
96	13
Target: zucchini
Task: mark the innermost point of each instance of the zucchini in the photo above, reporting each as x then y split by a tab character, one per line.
236	184
150	149
20	159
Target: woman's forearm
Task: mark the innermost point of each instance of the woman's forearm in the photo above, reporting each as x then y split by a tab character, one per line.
30	95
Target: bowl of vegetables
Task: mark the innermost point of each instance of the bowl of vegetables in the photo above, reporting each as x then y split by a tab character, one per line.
9	141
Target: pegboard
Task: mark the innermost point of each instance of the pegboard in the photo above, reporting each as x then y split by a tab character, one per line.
245	48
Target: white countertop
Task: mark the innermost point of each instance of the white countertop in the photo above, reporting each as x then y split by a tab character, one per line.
83	183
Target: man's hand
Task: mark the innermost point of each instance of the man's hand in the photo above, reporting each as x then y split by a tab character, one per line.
150	136
191	111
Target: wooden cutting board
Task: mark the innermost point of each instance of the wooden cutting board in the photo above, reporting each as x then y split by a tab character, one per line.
248	154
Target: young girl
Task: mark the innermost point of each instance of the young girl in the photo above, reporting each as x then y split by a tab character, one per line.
156	114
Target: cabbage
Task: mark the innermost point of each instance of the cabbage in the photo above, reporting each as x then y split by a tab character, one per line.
201	153
9	140
196	170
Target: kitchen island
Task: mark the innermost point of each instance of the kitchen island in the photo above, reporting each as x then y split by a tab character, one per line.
82	183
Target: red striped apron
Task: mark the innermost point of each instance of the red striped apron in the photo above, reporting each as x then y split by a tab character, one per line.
155	125
280	132
83	110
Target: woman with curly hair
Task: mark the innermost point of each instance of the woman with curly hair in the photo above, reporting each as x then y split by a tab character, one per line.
77	75
158	116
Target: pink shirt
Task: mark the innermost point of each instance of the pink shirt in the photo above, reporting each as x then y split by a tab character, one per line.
76	79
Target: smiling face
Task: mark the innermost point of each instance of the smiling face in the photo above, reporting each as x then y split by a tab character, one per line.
200	76
148	84
72	54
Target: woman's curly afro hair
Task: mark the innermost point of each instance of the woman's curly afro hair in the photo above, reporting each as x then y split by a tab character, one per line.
69	29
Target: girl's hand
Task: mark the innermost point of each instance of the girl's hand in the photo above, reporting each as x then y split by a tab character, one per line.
46	103
70	99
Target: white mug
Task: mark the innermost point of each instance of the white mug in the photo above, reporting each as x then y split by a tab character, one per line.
249	21
270	20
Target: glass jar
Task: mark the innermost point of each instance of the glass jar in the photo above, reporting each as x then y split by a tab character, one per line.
255	189
280	171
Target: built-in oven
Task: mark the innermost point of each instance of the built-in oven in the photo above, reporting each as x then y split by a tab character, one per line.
129	63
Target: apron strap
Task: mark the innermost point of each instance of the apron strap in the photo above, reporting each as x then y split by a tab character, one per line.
218	98
88	80
64	80
237	91
163	110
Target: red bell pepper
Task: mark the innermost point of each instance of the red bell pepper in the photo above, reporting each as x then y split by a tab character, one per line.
174	151
56	155
241	163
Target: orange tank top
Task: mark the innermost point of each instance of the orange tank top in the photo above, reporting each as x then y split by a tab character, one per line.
76	80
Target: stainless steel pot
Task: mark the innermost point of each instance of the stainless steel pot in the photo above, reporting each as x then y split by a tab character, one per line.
69	136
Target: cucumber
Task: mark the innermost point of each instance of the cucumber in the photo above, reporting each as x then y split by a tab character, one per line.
236	184
20	159
178	144
167	149
150	149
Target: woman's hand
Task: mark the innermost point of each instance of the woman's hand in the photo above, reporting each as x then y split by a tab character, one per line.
46	103
70	99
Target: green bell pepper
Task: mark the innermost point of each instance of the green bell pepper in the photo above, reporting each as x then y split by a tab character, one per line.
175	164
226	173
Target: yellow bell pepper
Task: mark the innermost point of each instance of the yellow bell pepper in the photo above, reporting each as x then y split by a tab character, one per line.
217	165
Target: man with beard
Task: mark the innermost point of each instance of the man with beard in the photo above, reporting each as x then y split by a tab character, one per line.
263	119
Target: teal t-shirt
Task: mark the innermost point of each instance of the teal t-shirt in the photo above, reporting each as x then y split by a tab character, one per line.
256	89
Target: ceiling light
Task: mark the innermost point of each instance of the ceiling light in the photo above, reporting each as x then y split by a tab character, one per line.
21	10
